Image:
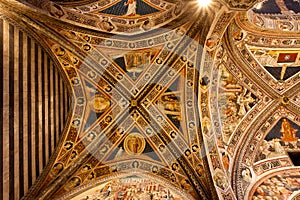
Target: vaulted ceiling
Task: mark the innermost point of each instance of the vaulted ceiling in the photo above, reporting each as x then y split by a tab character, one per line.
102	99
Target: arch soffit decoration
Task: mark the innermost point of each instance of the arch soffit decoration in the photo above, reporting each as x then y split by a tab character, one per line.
271	108
111	17
71	62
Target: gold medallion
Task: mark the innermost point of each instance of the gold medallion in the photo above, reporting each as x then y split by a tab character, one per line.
134	143
99	103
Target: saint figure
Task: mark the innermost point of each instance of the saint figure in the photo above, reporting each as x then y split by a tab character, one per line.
131	11
288	132
134	144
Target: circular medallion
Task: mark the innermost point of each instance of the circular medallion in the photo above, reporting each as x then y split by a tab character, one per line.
99	103
134	143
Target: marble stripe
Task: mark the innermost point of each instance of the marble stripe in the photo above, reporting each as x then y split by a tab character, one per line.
21	114
36	113
17	131
25	116
33	111
60	97
6	110
1	109
52	106
39	113
56	103
29	155
46	114
11	112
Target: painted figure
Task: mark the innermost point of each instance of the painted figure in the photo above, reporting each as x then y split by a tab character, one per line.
134	144
106	25
131	11
56	10
119	153
100	104
57	168
171	104
135	62
246	175
212	42
225	160
74	182
288	132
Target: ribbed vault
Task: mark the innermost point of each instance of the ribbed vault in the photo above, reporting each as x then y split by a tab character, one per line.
170	98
